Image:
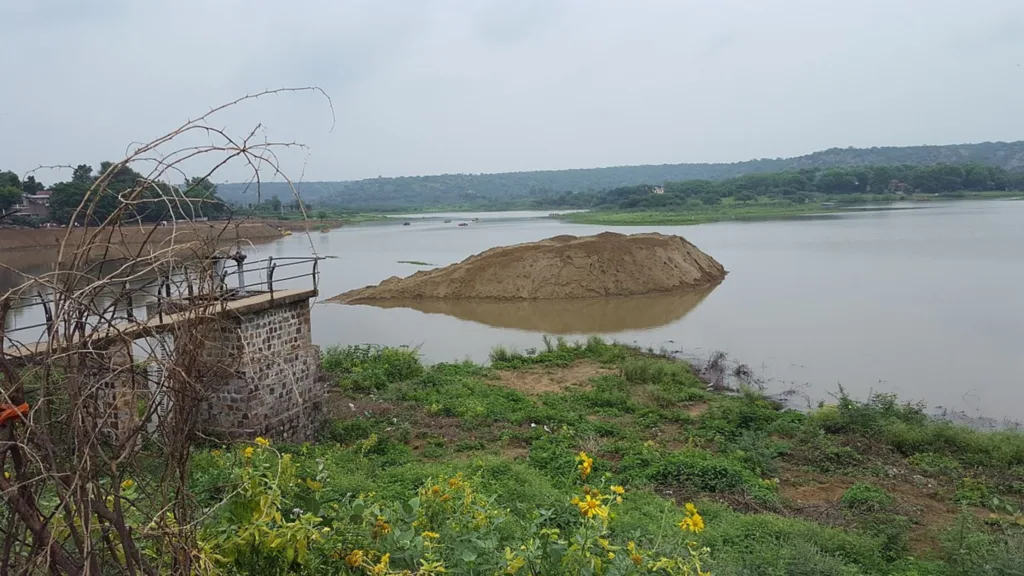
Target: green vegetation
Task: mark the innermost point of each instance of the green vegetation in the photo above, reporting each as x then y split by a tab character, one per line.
156	201
863	497
555	188
517	468
700	214
274	209
415	262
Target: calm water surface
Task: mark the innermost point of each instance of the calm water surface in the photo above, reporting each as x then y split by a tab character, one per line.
925	303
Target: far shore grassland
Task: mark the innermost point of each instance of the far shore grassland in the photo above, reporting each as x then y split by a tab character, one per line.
766	209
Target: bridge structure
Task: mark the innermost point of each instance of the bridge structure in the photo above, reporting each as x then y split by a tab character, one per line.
248	345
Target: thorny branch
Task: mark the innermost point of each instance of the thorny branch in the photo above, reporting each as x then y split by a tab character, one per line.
98	416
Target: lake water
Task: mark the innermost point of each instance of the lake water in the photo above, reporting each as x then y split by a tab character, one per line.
926	303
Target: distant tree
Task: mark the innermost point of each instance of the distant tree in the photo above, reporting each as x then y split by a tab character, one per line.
322	215
82	174
9	197
65	199
201	195
30	186
8	178
710	199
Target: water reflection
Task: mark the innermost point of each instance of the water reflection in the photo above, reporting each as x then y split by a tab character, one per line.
575	316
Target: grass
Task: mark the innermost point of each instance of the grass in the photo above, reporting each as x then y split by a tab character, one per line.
866	498
753	468
761	209
703	215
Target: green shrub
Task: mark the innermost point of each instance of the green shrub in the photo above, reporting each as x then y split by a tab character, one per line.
969	550
560	352
935	464
695	471
348	431
369	368
864	498
894	531
469	399
765	544
733	416
971	492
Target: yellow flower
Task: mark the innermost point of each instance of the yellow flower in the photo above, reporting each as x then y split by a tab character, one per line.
314	485
575	500
611	555
382	566
634	554
435	490
215	452
618	499
693	522
381	527
618	490
698	523
128	483
7	475
586	464
591	507
430	535
355	558
262	441
515	565
247	452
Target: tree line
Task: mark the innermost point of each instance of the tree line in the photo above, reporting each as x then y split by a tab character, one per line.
13	189
158	201
803	185
519	189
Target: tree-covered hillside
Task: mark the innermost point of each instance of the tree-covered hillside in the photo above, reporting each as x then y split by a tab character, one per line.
514	189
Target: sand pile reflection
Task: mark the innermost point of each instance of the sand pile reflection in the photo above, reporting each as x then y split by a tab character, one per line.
570	316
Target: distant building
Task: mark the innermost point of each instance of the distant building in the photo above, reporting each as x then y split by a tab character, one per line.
37	205
898	187
658	190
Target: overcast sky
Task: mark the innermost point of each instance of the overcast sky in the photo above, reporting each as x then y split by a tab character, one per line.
436	86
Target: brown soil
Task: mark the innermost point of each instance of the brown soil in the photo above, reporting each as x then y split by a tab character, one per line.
539	380
696	409
816	496
32	239
607	264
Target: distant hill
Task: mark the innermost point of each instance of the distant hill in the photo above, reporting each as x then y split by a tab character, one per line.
511	189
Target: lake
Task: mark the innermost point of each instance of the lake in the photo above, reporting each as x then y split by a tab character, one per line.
925	303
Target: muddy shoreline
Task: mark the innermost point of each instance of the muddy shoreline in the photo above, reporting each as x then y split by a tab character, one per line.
27	244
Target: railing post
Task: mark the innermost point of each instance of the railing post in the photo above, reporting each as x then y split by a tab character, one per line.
129	311
241	275
239	258
316	274
5	306
270	277
49	316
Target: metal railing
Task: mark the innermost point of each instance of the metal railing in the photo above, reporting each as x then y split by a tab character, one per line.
199	280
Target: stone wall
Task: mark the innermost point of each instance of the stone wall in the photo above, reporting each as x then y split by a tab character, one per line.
268	382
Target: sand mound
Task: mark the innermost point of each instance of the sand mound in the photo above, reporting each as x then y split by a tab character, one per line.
608	264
